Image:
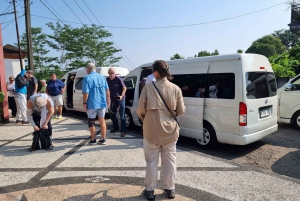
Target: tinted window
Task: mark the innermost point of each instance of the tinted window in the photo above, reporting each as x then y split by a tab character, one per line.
191	84
296	83
78	85
220	85
130	82
260	85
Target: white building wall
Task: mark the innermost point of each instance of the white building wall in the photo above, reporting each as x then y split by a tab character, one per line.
12	67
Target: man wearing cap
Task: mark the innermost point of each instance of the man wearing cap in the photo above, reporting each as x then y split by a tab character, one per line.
40	108
55	88
32	85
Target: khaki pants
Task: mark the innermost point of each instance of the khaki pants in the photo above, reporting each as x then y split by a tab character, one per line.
21	103
168	165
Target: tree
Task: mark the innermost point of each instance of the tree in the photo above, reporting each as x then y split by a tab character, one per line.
240	51
268	46
287	38
206	53
177	56
283	66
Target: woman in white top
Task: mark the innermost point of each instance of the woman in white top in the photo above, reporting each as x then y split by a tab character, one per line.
10	86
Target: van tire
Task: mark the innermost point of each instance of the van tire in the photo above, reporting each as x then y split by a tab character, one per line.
209	134
296	120
129	120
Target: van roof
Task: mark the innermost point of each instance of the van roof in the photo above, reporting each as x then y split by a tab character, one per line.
203	59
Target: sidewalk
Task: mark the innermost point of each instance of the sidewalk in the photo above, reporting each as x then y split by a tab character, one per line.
75	170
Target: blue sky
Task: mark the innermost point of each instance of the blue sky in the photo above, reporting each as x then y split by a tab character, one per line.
146	45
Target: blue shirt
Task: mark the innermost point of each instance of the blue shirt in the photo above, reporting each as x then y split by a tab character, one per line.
22	90
54	87
95	86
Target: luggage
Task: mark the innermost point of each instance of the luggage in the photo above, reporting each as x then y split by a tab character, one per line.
20	81
41	140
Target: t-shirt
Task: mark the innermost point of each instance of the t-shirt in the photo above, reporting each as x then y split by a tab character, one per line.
11	88
213	90
115	87
31	86
55	87
95	85
150	78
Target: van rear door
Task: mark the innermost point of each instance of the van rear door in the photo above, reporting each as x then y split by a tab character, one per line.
261	101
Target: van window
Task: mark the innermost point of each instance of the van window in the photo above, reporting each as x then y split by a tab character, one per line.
130	82
191	84
296	83
78	85
260	85
220	85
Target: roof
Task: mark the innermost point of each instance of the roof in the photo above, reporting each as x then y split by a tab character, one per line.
10	49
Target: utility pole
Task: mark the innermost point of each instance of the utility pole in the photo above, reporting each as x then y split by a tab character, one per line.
17	29
28	34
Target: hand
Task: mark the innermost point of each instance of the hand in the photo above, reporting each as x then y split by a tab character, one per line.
36	128
108	103
61	92
121	97
45	126
85	107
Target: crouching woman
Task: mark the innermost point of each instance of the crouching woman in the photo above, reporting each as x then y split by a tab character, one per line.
40	109
161	128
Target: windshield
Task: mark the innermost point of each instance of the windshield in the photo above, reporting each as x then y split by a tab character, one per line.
260	85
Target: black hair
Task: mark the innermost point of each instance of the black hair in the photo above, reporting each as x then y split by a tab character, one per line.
162	68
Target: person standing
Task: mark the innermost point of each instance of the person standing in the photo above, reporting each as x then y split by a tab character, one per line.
55	88
117	90
95	101
20	97
10	86
150	78
44	86
32	85
161	129
70	86
40	108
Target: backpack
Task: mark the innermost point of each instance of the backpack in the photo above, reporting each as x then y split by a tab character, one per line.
20	81
41	140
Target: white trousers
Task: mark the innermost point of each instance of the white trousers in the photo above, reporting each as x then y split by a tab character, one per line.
168	165
21	103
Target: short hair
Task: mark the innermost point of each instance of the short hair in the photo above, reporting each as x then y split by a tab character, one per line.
91	66
43	80
30	72
52	74
11	77
162	68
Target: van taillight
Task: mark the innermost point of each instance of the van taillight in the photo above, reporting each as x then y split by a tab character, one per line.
243	114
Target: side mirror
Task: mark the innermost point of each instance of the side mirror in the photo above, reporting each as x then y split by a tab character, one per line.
289	87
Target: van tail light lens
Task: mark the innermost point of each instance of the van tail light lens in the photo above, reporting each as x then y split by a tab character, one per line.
243	114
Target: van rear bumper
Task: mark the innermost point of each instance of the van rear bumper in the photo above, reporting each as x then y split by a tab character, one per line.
247	139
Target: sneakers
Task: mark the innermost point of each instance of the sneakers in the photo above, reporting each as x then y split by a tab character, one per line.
123	134
102	142
114	130
18	122
170	193
149	195
59	117
25	122
93	141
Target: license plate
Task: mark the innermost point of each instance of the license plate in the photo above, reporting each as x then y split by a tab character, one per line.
264	113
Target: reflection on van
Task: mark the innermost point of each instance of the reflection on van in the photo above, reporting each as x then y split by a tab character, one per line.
228	98
72	96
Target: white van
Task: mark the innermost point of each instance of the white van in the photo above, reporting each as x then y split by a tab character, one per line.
72	96
289	103
243	111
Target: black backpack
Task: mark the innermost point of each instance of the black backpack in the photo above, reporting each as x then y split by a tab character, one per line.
41	140
20	81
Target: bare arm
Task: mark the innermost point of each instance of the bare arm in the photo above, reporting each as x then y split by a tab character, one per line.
29	115
108	97
85	97
50	109
63	89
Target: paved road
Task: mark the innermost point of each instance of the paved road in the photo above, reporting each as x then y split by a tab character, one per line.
75	170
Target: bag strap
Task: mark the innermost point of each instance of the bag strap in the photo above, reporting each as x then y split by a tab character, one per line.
165	103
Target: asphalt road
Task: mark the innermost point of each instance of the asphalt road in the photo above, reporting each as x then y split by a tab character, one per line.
278	153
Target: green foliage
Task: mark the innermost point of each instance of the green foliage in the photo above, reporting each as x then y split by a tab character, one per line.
177	56
283	66
268	46
287	38
205	53
240	51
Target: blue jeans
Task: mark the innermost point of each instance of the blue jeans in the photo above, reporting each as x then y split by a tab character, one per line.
113	114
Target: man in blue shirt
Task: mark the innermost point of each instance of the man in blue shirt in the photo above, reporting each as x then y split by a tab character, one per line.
55	88
21	100
96	99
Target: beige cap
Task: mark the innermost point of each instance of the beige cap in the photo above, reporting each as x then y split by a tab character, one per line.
40	101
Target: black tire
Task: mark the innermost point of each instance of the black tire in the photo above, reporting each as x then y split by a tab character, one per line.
296	120
129	120
210	139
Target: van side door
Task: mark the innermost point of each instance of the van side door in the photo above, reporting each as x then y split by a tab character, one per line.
77	96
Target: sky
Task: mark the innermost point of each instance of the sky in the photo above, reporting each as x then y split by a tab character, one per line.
140	46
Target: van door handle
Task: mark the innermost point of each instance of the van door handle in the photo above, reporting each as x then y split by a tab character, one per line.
207	105
74	91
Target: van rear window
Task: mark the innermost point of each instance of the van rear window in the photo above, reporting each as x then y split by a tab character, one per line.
260	85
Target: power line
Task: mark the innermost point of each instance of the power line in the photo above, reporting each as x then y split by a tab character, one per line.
110	37
175	26
51	12
12	29
6	9
11	21
53	9
73	12
83	11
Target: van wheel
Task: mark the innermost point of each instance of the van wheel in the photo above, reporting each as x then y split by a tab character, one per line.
129	120
296	120
209	137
